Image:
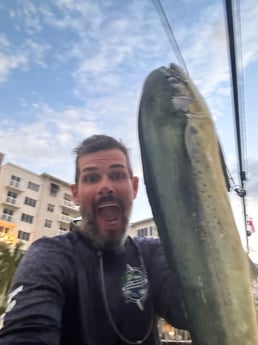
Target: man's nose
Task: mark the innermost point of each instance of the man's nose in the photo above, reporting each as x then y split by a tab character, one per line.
106	187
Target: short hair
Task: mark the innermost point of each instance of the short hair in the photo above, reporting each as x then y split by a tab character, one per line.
99	142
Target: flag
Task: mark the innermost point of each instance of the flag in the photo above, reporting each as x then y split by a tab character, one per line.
250	226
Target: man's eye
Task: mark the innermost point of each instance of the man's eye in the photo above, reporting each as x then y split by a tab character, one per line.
118	175
90	178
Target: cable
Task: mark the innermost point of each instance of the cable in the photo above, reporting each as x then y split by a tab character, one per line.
170	35
241	81
232	51
236	99
242	109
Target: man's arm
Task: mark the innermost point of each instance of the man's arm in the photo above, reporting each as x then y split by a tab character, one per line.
36	300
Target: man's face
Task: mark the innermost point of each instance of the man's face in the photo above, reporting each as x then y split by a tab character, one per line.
105	193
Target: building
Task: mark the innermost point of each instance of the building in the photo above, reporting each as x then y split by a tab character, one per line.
32	205
143	228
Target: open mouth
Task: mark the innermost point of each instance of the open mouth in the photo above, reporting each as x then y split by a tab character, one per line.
109	212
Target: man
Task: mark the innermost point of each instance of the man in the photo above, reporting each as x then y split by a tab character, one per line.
94	285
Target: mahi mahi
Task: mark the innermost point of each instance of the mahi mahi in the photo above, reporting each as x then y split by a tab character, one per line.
187	192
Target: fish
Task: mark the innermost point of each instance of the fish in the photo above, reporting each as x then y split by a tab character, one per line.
253	269
187	192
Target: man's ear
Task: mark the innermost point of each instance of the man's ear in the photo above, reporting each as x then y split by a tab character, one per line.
74	191
135	181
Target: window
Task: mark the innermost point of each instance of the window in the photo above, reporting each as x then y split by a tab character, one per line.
48	223
50	207
15	181
142	232
67	197
54	188
22	235
30	202
26	218
7	215
33	186
8	211
12	194
15	178
11	197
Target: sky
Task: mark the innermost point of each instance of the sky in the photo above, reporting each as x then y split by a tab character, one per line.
70	69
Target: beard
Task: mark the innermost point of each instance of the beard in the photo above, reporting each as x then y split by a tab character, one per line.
111	241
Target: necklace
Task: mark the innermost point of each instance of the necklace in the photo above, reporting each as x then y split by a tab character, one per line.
104	294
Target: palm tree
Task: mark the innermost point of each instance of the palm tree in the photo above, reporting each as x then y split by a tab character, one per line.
9	260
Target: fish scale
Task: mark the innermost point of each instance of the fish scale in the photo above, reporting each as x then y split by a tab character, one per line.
187	193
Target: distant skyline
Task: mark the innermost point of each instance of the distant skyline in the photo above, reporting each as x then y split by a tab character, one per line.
69	69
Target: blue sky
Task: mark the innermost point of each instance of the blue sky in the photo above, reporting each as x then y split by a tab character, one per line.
69	69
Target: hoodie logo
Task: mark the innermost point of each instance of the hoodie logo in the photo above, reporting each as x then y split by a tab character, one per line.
10	304
135	286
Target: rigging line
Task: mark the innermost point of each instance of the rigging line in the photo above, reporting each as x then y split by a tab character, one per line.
232	51
242	110
241	81
170	35
235	84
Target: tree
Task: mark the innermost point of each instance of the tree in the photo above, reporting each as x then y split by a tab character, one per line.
9	260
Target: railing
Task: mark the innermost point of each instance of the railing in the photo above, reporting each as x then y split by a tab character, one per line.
16	184
8	218
69	204
64	218
62	232
13	201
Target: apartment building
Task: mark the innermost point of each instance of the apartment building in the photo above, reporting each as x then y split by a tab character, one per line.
32	205
143	228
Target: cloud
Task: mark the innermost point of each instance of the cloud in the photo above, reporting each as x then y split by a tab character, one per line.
10	59
3	41
249	14
8	63
15	56
36	52
44	132
26	17
48	138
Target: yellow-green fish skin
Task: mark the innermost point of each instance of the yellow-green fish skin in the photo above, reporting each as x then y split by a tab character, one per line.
186	189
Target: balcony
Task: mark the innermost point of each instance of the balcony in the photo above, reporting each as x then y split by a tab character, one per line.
18	186
8	218
65	219
70	205
62	232
14	202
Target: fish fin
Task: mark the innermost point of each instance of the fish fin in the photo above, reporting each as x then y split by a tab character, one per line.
224	167
253	268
